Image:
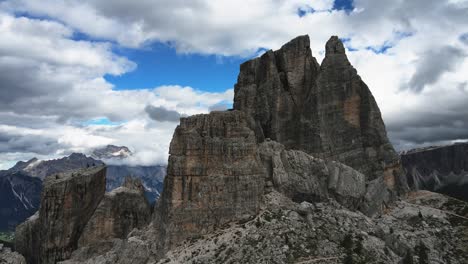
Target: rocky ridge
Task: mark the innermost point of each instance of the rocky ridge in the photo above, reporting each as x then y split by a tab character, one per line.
68	201
77	214
21	185
42	168
301	171
441	169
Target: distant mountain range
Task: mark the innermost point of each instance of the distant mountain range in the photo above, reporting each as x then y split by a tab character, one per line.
442	169
111	152
21	185
19	198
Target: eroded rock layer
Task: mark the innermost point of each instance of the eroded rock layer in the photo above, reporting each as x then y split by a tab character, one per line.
325	110
214	176
68	201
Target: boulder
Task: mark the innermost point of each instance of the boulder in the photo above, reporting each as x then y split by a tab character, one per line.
302	177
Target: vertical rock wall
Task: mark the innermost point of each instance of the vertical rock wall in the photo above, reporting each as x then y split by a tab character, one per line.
214	176
67	203
325	110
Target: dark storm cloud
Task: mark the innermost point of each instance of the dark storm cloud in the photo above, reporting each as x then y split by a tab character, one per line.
162	114
28	144
432	64
433	125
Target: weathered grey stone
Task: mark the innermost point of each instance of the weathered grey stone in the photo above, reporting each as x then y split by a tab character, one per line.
118	213
214	177
377	197
68	201
305	178
287	232
9	257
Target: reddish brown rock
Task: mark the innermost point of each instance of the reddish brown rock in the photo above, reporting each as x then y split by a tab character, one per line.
214	176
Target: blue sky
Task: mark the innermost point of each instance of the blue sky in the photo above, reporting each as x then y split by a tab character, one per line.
159	64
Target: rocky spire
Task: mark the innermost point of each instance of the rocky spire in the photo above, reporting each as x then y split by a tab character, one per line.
325	110
334	46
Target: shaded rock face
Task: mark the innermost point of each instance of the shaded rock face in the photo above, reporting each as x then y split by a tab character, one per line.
305	178
214	176
67	203
152	178
441	169
119	212
325	110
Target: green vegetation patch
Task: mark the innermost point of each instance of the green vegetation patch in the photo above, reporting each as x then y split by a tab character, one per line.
7	237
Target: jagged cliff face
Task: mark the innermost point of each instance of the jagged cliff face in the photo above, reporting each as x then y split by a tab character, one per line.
316	117
441	169
76	214
43	168
214	176
67	203
325	110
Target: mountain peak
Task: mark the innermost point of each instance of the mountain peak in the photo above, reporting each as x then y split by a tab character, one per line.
111	152
334	46
300	42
